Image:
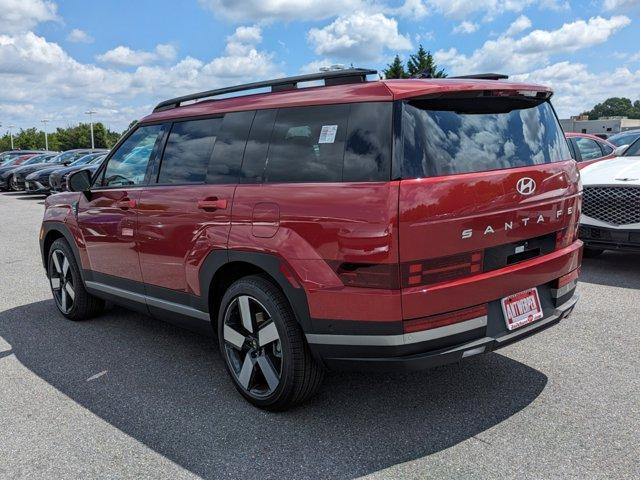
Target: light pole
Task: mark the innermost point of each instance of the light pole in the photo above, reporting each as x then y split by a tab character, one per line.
46	138
11	127
91	113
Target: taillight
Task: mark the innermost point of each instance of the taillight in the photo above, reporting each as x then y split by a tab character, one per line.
441	269
367	275
568	278
443	319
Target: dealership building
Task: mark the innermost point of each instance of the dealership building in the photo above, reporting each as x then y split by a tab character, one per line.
604	126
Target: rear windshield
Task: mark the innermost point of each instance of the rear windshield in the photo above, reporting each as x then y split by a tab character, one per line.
448	136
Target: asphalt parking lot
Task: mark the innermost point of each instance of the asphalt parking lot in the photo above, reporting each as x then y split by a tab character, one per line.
128	396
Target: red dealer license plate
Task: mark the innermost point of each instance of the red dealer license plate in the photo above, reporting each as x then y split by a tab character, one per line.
522	308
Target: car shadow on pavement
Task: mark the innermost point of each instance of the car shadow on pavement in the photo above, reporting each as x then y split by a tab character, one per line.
615	269
168	389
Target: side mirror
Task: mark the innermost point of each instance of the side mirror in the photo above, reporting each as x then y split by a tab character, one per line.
79	181
618	152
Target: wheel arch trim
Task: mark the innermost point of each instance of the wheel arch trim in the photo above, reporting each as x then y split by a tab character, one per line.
61	229
269	263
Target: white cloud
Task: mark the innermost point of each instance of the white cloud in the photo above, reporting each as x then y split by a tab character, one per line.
284	10
465	27
621	5
79	36
519	25
21	15
358	37
577	89
414	9
510	55
460	9
125	56
34	71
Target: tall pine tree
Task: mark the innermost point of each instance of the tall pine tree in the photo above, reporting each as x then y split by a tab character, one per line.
422	64
395	69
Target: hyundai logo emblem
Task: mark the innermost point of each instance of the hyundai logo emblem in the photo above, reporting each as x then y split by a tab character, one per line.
526	186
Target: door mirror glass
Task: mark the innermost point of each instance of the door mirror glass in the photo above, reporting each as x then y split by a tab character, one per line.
79	181
618	152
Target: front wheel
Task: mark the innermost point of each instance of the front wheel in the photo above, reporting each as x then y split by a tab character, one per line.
263	346
72	299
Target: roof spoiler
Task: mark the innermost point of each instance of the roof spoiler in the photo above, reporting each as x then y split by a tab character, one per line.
330	77
484	76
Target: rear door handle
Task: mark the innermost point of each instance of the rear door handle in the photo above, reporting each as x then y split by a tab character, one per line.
126	203
212	203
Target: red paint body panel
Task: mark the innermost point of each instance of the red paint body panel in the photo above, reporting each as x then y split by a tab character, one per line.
58	210
108	225
354	222
175	235
485	287
434	211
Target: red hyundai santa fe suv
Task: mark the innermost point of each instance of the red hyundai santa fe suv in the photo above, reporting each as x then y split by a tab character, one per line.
385	224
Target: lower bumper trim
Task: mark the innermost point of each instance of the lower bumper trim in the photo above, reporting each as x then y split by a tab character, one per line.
452	354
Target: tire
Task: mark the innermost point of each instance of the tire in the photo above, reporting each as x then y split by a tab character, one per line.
71	298
263	346
592	252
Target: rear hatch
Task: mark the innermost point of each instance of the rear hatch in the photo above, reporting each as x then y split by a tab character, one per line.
487	184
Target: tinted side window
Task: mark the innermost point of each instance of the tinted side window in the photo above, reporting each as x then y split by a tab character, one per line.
606	149
255	155
128	165
307	144
229	149
189	146
589	149
367	157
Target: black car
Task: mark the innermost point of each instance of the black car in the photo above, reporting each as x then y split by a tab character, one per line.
15	177
11	164
58	179
38	181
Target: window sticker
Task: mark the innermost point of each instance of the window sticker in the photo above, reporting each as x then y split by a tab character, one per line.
328	134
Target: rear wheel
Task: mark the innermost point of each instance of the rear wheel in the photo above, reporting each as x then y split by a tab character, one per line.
71	298
263	346
592	252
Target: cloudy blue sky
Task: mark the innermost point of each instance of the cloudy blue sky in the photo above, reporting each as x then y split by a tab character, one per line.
60	58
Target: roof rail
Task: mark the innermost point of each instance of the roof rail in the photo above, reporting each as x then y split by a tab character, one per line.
332	77
485	76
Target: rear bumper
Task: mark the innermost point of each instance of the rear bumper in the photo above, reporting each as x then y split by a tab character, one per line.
391	353
598	237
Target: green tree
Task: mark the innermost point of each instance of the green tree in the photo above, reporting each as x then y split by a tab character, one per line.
615	107
395	69
422	64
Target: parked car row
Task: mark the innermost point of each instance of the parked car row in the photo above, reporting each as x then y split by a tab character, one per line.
28	171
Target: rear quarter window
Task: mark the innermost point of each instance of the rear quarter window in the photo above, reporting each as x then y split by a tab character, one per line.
331	143
472	135
307	144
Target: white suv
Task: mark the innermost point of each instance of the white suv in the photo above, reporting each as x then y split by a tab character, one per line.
611	206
